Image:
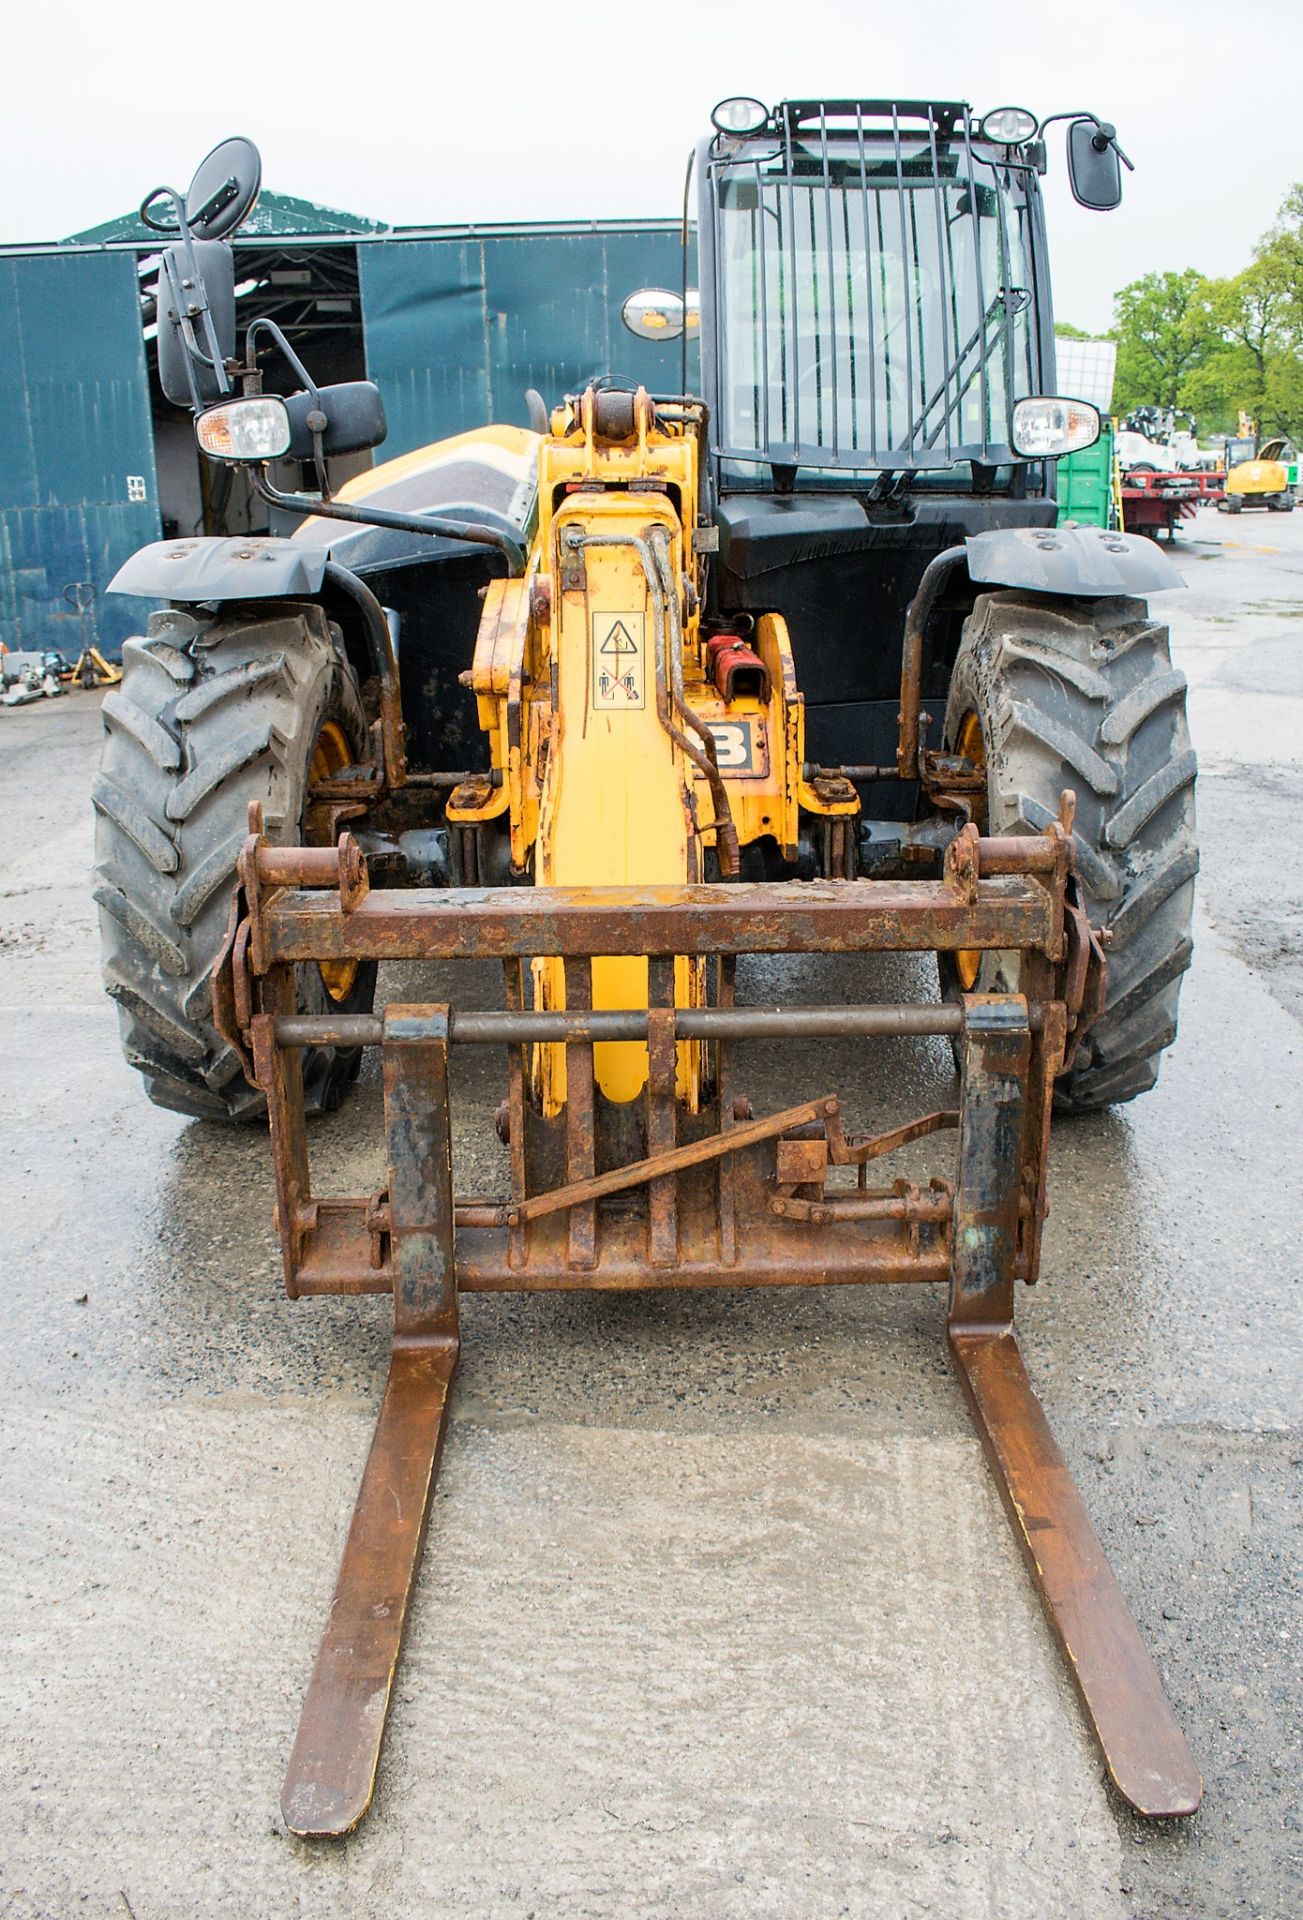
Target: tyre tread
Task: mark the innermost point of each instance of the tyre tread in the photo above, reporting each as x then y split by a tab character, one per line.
238	710
1083	693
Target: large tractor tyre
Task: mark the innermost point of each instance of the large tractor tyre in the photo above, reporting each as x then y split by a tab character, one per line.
1051	693
209	716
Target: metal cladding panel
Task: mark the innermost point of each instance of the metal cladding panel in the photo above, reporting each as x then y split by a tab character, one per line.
554	314
423	317
635	260
77	483
457	329
17	466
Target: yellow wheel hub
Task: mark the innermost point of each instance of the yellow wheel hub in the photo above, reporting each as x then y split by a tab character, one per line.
330	756
968	960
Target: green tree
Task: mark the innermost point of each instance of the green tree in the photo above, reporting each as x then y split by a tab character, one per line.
1244	314
1257	316
1216	348
1065	330
1278	270
1164	331
1280	254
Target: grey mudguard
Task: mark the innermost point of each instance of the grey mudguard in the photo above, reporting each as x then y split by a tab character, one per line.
253	568
1088	562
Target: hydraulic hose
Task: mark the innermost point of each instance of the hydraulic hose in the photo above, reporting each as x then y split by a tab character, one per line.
911	661
726	832
384	664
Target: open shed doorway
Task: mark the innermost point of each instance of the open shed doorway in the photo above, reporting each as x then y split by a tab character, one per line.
310	289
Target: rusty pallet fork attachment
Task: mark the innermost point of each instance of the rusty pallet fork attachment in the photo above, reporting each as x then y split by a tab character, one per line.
717	1200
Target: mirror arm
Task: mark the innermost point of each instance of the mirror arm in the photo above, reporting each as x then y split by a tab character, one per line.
263	325
1104	135
317	419
156	226
471	531
1107	137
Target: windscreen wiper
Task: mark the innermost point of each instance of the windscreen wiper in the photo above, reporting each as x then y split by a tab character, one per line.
1007	303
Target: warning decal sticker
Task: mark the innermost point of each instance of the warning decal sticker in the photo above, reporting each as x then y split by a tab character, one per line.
618	678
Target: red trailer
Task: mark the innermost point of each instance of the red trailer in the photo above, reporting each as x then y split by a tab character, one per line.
1152	501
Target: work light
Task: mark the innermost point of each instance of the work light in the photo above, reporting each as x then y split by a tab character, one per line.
1008	126
1044	429
257	428
740	115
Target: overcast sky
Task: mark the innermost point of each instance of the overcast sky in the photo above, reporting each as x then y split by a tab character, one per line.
589	110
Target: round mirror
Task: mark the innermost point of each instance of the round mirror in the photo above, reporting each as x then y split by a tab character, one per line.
224	190
653	314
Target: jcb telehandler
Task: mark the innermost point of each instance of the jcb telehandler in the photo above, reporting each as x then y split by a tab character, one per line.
791	661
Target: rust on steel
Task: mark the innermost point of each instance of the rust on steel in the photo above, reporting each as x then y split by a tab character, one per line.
1143	1747
673	1160
858	916
332	1770
921	607
331	1776
490	1027
678	1193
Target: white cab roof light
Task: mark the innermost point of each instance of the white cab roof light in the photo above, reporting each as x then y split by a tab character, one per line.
1008	126
740	114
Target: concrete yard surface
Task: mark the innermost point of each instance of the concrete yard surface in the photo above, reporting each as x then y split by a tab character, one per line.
720	1615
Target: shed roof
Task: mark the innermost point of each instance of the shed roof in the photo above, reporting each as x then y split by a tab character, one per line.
276	214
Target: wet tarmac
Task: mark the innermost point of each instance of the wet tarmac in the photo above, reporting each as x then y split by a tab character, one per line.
720	1615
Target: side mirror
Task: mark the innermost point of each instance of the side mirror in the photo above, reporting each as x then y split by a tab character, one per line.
1094	168
654	314
355	419
223	192
196	277
181	299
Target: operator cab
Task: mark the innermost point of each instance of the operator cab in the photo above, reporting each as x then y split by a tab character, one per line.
877	357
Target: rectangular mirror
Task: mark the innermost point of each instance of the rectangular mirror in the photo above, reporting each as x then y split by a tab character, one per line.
355	416
1094	171
216	264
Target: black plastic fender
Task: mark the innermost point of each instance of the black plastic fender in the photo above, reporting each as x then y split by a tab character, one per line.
1081	562
248	567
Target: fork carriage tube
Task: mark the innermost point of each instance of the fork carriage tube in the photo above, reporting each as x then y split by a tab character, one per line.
494	1028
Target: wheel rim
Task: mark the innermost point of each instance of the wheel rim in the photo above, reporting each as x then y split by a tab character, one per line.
971	746
330	755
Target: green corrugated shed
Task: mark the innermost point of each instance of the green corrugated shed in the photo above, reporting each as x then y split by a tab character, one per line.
456	323
78	492
457	329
